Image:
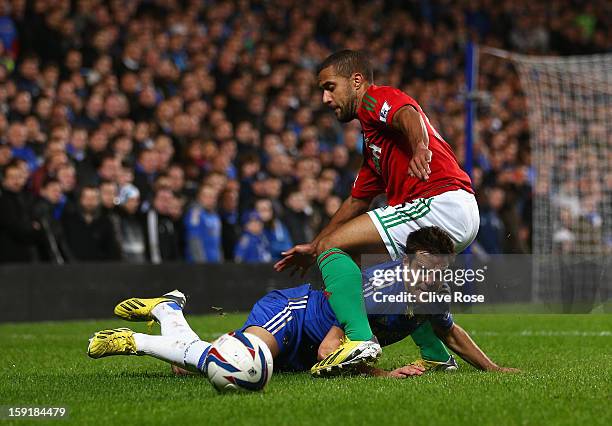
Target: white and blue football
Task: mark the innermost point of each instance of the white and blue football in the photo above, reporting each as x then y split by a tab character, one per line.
238	361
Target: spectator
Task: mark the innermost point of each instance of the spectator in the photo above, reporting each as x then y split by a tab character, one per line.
275	231
16	137
77	144
90	234
340	159
47	211
8	30
27	78
6	155
66	176
108	168
492	231
176	178
297	218
127	86
161	234
19	233
21	107
230	225
48	170
6	59
330	207
131	234
109	198
203	228
146	171
253	246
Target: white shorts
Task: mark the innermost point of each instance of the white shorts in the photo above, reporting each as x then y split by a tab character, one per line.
455	212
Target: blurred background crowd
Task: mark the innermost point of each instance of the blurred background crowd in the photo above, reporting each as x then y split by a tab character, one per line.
162	130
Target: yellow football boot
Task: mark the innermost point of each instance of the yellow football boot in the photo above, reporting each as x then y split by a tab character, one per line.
117	341
349	354
138	309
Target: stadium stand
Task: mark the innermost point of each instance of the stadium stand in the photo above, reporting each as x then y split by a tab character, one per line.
156	128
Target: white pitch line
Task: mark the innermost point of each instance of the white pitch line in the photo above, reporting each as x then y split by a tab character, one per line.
544	333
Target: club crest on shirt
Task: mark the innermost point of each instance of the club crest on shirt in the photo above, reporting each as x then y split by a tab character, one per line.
384	111
376	152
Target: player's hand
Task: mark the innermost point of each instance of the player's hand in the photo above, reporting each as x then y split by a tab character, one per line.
419	165
178	371
406	371
300	257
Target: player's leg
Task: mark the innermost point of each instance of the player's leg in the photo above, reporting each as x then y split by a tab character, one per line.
434	354
342	276
178	345
394	224
167	310
171	320
455	212
189	355
343	284
186	354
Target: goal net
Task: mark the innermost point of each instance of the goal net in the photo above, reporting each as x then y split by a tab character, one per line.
570	119
569	102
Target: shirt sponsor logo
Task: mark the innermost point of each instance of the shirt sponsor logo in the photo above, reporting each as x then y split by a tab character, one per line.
384	111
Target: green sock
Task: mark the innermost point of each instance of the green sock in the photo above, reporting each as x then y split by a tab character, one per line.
342	279
432	349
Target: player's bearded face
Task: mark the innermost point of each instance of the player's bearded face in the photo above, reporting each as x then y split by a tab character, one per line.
338	94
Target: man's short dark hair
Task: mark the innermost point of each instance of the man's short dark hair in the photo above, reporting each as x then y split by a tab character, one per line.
13	164
84	188
347	62
431	239
105	157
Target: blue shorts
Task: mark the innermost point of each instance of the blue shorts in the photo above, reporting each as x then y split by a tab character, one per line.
299	318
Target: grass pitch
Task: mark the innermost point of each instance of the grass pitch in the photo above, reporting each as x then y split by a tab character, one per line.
566	362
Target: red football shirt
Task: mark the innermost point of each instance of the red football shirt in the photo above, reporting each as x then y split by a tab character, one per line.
387	153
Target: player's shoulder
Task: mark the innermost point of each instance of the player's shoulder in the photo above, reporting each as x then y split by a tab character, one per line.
386	92
384	101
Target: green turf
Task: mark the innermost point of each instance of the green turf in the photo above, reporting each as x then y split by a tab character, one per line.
567	363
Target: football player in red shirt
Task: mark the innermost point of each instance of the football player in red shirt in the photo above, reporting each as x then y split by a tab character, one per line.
404	157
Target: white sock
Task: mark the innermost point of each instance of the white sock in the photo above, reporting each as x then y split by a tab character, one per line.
186	353
172	322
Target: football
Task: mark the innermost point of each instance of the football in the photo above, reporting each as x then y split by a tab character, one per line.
239	362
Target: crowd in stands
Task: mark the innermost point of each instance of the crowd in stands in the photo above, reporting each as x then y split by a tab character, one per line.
167	130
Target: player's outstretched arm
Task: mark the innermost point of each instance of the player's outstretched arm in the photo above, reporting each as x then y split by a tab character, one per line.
302	256
457	339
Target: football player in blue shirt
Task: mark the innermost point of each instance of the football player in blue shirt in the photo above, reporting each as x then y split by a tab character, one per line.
298	324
